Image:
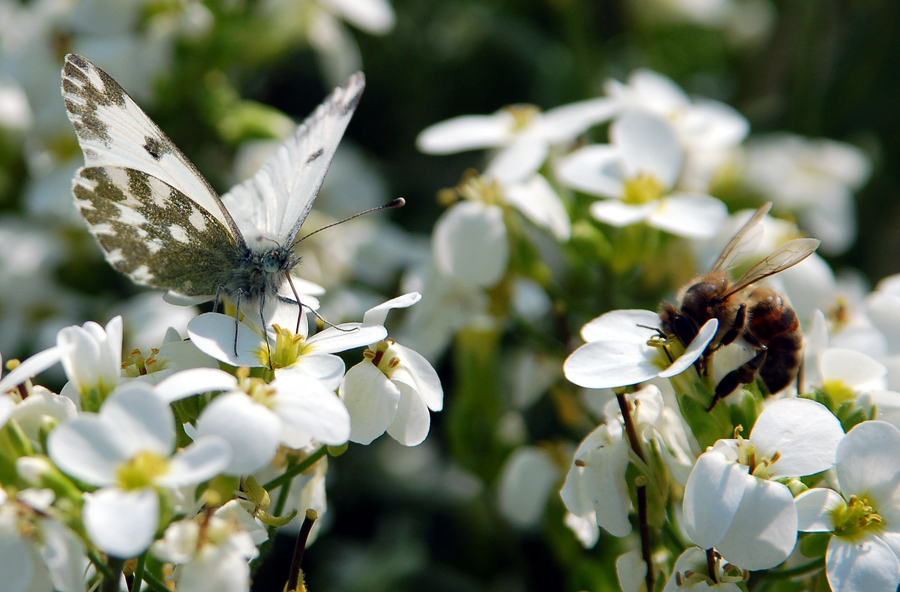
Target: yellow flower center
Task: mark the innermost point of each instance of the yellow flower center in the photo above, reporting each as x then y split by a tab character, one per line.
856	519
642	189
522	115
288	348
137	365
141	471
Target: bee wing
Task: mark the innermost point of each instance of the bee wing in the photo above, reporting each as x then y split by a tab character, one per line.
787	255
745	241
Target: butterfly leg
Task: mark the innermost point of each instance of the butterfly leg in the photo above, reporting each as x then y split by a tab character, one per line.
216	299
237	316
262	323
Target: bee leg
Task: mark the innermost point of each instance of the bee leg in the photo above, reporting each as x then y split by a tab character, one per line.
742	375
740	319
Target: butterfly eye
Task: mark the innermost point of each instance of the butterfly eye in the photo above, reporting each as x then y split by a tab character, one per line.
271	263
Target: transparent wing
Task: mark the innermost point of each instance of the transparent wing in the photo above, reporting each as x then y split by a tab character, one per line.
744	242
278	198
114	132
787	255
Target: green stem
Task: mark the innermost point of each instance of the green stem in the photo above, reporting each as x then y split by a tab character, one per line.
100	565
292	472
139	572
111	583
154	584
800	570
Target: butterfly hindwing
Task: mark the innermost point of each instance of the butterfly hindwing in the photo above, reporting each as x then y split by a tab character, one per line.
278	198
114	131
153	232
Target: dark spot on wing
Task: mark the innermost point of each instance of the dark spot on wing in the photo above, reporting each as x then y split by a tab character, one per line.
154	147
315	155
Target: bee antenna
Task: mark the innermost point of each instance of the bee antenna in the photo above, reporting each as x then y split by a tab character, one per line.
397	203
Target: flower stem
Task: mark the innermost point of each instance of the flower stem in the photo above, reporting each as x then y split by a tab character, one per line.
302	537
296	469
139	572
643	522
111	581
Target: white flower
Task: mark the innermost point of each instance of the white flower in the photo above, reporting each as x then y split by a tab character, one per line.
127	451
213	556
732	501
691	573
527	478
37	553
523	134
93	361
471	244
595	485
255	417
618	351
639	171
393	388
32	366
863	554
813	178
314	356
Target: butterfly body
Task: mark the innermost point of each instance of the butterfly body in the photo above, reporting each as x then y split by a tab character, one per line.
161	223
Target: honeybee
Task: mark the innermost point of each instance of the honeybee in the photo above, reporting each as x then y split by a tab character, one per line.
757	314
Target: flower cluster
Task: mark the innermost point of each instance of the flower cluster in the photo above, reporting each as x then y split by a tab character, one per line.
162	454
749	474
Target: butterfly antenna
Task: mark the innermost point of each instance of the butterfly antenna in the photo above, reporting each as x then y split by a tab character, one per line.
397	203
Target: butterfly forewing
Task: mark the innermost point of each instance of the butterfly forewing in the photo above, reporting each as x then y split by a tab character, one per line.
278	198
153	232
114	131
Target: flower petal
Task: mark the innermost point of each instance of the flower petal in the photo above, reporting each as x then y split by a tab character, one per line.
868	565
121	523
618	214
252	430
194	381
466	132
608	364
377	315
542	205
412	421
649	146
867	463
635	326
213	334
204	459
471	244
814	507
712	497
804	433
310	411
371	399
595	169
519	160
764	530
691	215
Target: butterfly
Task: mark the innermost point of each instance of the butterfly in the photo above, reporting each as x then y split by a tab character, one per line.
162	224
